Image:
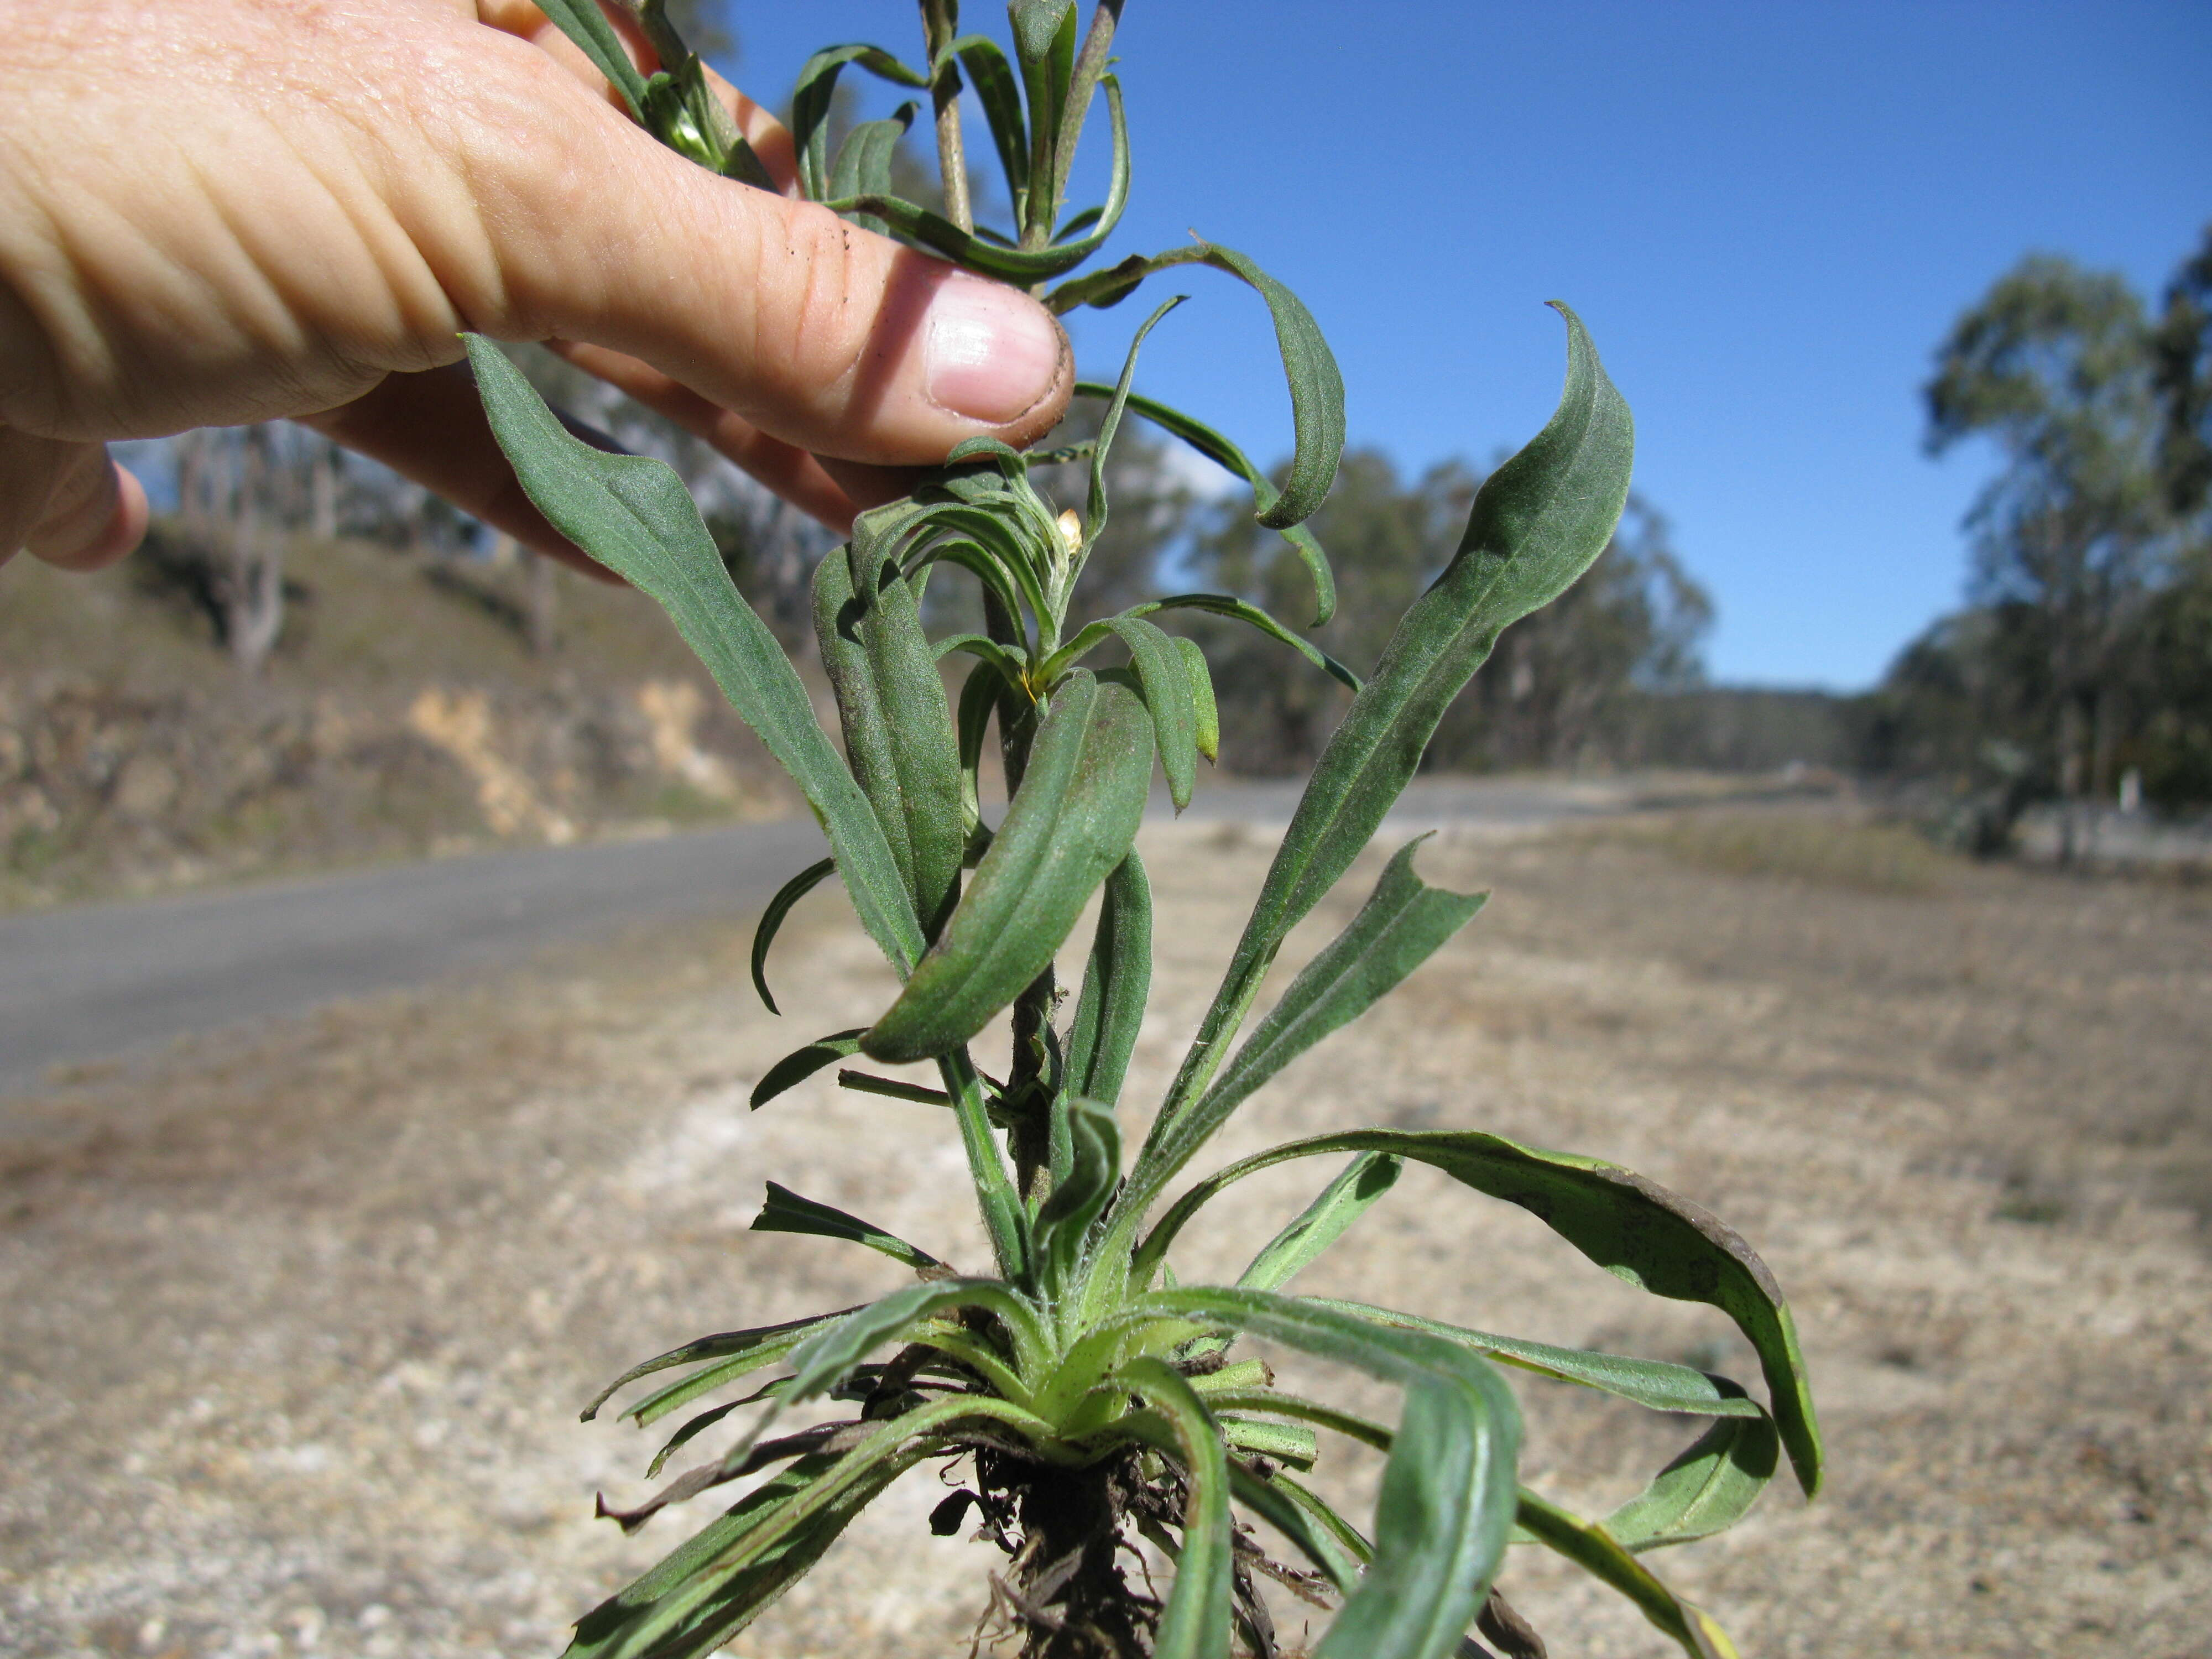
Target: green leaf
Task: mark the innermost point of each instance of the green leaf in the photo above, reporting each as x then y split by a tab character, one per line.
1044	47
681	110
786	1212
587	28
740	1591
696	1425
1278	1403
810	100
977	253
1654	1384
891	1088
1219	604
899	737
999	94
1079	1197
863	166
979	698
1403	922
794	1069
1165	677
1207	733
1071	822
1094	507
1631	1227
1004	1218
772	920
1116	980
824	1358
1297	1514
1537	523
1316	385
1195	1623
634	516
1321	1223
1708	1489
764	1345
1598	1554
1287	1442
1448	1492
1216	448
861	1472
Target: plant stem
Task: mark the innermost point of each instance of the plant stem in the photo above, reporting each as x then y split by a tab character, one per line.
938	25
1090	64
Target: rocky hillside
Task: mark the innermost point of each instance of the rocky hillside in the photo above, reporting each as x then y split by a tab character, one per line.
413	704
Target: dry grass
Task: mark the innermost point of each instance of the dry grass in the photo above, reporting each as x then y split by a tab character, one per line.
1818	847
296	1336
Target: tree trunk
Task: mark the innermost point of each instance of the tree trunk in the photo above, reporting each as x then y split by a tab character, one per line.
254	600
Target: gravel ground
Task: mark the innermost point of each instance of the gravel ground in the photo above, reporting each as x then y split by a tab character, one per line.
297	1322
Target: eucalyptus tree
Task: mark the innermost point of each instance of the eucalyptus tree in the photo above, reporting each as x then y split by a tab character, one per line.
2053	366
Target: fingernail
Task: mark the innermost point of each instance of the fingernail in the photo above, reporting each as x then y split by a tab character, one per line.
993	352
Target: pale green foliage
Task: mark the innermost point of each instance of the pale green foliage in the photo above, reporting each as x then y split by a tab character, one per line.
1081	1359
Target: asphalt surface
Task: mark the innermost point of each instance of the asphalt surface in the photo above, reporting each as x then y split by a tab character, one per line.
101	981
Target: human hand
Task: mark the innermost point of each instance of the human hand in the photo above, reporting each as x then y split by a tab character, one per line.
217	211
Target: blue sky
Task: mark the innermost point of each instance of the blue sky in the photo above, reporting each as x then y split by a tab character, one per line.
1768	214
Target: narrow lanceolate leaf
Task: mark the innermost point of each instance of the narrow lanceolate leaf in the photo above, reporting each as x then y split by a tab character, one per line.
811	100
1293	1511
1537	524
1216	448
1321	1223
772	919
1447	1494
1206	732
899	737
1403	922
861	1473
1654	1384
1072	821
1708	1489
1219	604
825	1359
786	1212
1162	670
1316	385
795	1067
1116	980
974	252
766	1344
863	166
999	94
1094	508
741	1589
634	516
1195	1623
1598	1554
586	25
1631	1227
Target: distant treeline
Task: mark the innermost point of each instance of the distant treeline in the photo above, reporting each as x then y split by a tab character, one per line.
2080	669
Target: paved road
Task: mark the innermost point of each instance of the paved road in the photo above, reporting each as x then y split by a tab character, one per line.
101	980
104	980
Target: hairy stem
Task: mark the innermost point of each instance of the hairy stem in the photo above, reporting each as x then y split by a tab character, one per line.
937	21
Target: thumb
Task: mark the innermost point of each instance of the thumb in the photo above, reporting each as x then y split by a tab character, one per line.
66	502
815	331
